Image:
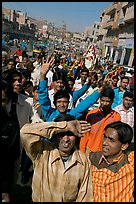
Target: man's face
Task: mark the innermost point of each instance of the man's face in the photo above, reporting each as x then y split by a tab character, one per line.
93	82
124	83
111	146
127	102
114	82
17	84
62	105
105	104
70	85
58	85
66	143
84	76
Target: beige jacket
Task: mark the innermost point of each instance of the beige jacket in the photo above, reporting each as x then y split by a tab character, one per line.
51	181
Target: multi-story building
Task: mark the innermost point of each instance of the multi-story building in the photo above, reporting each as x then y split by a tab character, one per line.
16	24
116	33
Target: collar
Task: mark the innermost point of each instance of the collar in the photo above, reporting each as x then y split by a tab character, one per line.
75	156
121	108
114	161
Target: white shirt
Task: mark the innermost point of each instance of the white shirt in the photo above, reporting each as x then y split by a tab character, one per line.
51	97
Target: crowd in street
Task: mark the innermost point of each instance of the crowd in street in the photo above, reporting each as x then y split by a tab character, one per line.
68	127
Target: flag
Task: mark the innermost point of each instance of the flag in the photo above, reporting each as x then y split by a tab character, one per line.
90	56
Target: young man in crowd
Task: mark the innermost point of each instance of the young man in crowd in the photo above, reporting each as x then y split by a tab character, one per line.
61	98
99	118
113	167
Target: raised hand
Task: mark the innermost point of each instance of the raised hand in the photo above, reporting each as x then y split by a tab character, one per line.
46	67
78	127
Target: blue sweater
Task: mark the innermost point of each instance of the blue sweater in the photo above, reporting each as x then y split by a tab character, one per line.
51	113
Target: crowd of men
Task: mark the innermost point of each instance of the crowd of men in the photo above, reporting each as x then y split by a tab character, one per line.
68	127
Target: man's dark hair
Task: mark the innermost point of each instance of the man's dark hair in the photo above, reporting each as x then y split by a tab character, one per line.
11	75
108	92
64	117
84	69
125	132
61	94
115	77
59	75
67	117
124	77
128	94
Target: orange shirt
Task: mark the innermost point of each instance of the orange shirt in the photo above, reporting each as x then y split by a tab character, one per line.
92	140
113	182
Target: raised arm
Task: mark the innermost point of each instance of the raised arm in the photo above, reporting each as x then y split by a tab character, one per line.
43	96
32	133
78	93
78	111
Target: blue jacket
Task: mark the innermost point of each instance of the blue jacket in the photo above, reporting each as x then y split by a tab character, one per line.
51	113
118	97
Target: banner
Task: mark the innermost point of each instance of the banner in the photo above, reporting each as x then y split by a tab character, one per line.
90	56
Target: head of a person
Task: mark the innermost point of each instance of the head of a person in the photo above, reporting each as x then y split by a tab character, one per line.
4	57
18	47
26	75
59	80
6	94
24	60
115	80
117	138
28	88
14	79
35	93
84	73
124	82
10	64
70	81
61	100
106	100
128	99
39	58
66	141
94	79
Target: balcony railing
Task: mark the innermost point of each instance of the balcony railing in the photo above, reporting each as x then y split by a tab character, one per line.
108	24
129	16
111	9
121	21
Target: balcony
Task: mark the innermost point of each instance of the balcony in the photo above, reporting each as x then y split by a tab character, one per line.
121	21
111	9
129	16
124	4
108	39
101	31
108	24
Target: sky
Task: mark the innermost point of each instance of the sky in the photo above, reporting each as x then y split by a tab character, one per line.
76	15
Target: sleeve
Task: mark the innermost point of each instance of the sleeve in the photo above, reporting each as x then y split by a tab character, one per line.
43	98
32	133
78	111
77	94
83	142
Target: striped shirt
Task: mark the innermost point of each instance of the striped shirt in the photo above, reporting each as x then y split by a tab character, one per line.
126	116
52	181
113	182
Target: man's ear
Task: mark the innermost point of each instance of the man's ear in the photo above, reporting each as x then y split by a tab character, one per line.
124	146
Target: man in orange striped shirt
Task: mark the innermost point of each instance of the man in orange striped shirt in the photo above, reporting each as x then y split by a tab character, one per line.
113	167
99	118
